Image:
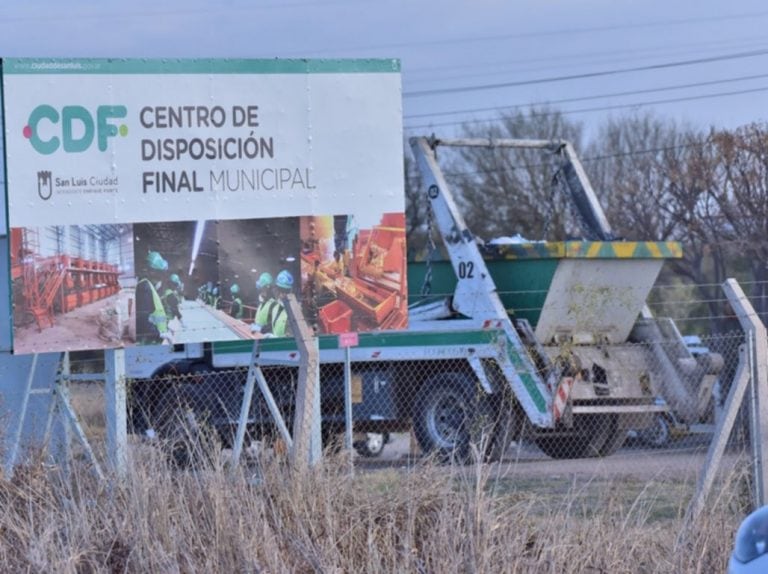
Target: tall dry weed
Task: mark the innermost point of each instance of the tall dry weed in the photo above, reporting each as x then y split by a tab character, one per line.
427	518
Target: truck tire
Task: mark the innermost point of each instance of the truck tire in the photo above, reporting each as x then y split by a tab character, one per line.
595	435
442	417
451	414
658	434
616	438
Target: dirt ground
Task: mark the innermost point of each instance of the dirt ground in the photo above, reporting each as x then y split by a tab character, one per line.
681	461
78	329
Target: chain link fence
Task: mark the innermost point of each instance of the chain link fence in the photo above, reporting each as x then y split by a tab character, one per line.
643	398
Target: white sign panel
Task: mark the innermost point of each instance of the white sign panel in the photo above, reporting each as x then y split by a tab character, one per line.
147	198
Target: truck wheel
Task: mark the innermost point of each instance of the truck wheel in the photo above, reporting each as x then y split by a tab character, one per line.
451	413
592	436
616	438
442	417
657	435
226	435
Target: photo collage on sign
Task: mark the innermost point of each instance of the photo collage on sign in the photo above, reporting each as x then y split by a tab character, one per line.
105	286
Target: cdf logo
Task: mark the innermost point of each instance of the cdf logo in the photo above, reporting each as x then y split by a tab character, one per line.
77	127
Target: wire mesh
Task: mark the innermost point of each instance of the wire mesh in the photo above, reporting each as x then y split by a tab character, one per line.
650	397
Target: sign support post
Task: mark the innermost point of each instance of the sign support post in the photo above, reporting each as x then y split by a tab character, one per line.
117	423
61	392
347	341
307	430
16	444
316	438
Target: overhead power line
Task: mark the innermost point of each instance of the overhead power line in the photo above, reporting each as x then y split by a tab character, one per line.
552	79
585	98
559	32
588	159
481	73
600	108
742	43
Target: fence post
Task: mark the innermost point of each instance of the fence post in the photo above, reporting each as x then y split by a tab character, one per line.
306	417
760	413
752	368
348	439
16	444
757	342
245	407
117	420
757	345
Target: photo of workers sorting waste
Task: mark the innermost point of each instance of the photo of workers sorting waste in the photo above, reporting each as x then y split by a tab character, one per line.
72	287
258	268
354	273
214	280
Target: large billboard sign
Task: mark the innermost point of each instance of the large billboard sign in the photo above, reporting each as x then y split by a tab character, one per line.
155	202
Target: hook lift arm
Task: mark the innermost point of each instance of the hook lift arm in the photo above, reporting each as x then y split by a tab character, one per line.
476	295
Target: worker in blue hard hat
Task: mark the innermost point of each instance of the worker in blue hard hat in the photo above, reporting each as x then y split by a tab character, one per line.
264	281
279	315
267	300
178	285
202	291
236	308
212	294
151	317
215	297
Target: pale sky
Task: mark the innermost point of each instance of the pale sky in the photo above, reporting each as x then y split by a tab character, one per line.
451	50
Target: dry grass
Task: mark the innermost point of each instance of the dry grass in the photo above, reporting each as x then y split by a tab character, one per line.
425	519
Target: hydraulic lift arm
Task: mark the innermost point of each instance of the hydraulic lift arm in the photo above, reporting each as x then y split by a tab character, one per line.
582	194
476	295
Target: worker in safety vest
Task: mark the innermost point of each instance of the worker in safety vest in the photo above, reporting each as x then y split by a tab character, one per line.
215	299
203	290
151	318
236	309
171	298
279	314
178	285
261	322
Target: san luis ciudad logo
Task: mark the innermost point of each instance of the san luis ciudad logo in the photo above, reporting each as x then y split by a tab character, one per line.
78	129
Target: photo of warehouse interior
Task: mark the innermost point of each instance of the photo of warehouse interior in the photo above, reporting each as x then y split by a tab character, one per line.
354	272
72	287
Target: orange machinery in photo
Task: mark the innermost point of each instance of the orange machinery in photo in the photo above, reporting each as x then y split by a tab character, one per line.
362	287
55	283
